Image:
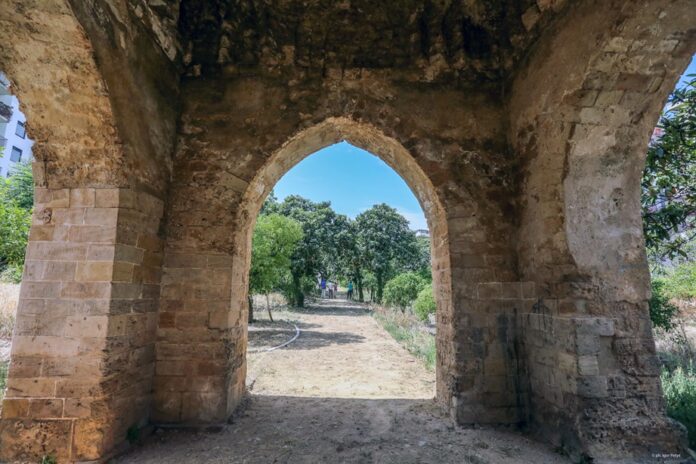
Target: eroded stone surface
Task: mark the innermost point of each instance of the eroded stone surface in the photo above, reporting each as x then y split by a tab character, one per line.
160	125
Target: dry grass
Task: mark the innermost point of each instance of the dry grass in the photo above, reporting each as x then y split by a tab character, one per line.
410	332
9	294
277	300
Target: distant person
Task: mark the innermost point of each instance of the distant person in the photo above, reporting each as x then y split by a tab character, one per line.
349	295
323	287
335	290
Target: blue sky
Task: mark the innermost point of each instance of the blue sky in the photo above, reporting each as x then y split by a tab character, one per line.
690	70
353	180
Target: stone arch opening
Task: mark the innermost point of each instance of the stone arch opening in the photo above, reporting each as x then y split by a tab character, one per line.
395	155
582	112
97	206
571	352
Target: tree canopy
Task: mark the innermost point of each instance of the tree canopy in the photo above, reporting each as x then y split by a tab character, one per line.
374	247
386	244
274	242
669	180
16	203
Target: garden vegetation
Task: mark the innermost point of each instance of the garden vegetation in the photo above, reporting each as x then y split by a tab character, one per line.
669	223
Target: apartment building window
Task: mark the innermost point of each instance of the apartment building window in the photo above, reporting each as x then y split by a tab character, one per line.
21	130
16	155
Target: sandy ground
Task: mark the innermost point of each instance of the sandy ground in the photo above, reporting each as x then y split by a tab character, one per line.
344	391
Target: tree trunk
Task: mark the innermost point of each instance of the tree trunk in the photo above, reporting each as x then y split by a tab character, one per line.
251	309
299	296
358	283
268	306
380	287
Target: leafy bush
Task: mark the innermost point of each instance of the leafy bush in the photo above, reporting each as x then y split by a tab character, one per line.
403	289
662	311
680	394
20	186
11	274
425	303
14	230
680	283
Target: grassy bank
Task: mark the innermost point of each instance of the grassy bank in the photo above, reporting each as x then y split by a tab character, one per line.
409	332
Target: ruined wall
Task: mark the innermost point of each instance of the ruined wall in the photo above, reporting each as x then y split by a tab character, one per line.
520	125
582	111
137	55
83	350
234	128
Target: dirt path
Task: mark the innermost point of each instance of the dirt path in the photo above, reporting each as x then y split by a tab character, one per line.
344	391
341	353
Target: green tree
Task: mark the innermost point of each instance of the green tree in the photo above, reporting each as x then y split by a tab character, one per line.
669	181
403	289
270	204
317	252
424	259
386	244
20	186
14	233
662	311
274	242
350	262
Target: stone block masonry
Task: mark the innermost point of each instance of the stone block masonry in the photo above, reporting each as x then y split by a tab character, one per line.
160	128
83	353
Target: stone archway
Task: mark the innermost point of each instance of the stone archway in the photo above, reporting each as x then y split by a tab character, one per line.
208	257
530	125
582	115
329	132
82	356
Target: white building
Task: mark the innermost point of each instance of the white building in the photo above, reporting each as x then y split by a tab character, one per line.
15	147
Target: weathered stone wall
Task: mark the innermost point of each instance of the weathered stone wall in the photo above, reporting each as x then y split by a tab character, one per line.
83	353
520	126
239	135
83	347
137	55
582	111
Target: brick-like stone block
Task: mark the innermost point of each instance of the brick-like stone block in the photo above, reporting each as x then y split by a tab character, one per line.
593	387
29	440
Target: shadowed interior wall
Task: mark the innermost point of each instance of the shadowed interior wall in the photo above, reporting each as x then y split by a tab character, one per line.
160	126
237	137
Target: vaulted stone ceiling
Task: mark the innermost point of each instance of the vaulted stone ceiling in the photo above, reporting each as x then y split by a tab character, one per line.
469	40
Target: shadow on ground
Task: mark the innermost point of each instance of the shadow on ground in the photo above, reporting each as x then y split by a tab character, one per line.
287	429
332	308
307	340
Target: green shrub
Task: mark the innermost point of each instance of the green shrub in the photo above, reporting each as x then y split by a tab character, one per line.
403	289
11	274
425	303
662	312
680	394
14	230
680	283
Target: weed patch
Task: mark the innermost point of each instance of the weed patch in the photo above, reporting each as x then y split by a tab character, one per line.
409	332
